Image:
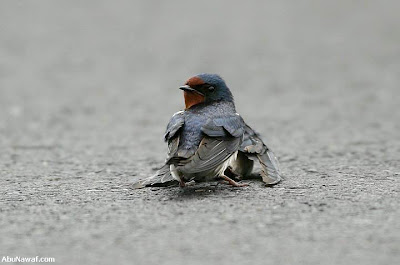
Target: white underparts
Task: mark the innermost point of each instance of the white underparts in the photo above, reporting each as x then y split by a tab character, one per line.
226	164
174	172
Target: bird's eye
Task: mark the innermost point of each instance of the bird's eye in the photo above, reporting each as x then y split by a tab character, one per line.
211	88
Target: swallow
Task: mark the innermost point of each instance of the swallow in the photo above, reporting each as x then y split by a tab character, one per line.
209	140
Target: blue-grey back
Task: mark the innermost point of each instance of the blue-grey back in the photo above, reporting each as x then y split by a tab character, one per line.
196	117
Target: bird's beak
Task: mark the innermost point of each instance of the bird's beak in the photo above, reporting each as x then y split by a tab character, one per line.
189	89
186	88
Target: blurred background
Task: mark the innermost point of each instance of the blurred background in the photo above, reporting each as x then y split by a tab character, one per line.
87	88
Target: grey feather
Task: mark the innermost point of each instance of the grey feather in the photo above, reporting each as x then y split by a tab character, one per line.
226	126
173	145
255	149
162	177
270	172
211	153
174	125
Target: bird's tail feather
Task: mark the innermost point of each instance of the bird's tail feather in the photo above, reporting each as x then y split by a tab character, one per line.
162	178
270	172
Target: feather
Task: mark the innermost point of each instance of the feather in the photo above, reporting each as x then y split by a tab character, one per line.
255	149
228	126
162	177
210	154
270	171
174	125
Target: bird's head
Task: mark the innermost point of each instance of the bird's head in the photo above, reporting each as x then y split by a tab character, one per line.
205	88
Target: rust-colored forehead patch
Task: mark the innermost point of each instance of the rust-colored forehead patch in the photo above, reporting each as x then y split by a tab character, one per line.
194	81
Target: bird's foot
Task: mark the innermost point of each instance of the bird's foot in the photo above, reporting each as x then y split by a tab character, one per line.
234	183
182	184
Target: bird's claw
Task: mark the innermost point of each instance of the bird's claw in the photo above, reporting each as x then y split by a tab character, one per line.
234	183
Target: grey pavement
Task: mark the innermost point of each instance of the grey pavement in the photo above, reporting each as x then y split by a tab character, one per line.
87	88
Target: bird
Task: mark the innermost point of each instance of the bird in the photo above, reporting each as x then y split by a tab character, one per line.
209	140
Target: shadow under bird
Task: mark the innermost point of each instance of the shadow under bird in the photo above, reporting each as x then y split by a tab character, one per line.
209	140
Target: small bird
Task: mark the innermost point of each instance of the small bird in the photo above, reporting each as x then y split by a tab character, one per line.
209	140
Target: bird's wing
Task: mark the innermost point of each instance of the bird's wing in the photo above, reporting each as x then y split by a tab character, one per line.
211	153
163	176
225	126
174	125
255	149
222	138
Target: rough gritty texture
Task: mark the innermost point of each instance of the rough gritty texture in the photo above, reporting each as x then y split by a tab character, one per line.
87	88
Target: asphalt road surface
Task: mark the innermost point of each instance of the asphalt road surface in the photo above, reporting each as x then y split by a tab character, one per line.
87	88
